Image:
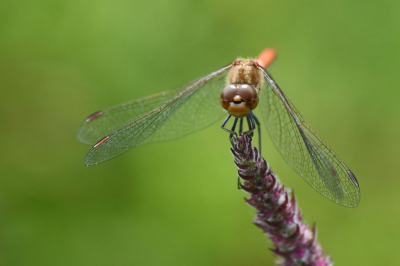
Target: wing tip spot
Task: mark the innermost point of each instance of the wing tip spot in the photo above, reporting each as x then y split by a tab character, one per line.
101	141
353	178
94	116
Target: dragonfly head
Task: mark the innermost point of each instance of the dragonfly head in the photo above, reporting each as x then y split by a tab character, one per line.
239	99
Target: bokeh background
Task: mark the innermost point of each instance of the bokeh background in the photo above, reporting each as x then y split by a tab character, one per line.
177	203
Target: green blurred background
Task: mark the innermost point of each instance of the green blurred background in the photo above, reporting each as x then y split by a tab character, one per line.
176	203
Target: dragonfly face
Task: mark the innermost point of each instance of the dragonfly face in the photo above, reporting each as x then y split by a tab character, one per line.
240	96
239	99
245	85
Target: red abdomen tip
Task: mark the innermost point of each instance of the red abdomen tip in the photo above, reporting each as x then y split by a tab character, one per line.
266	57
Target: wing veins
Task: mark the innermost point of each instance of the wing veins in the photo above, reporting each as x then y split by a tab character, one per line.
321	163
143	127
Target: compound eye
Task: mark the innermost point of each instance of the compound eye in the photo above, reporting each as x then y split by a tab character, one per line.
249	94
227	94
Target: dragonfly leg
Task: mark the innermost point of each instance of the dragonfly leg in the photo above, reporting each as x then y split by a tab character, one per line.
255	119
239	185
234	126
224	123
252	126
232	131
241	126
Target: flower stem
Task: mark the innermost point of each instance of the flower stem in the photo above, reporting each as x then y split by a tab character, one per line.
277	213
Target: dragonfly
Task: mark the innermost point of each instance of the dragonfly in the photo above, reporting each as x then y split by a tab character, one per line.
232	91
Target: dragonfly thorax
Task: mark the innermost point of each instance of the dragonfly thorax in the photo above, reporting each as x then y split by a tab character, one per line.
246	72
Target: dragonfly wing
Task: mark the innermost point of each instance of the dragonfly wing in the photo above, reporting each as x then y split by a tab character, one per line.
194	108
304	150
108	120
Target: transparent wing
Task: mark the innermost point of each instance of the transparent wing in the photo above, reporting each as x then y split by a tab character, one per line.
108	120
303	150
194	108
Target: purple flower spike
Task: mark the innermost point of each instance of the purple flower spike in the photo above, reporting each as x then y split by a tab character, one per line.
277	213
